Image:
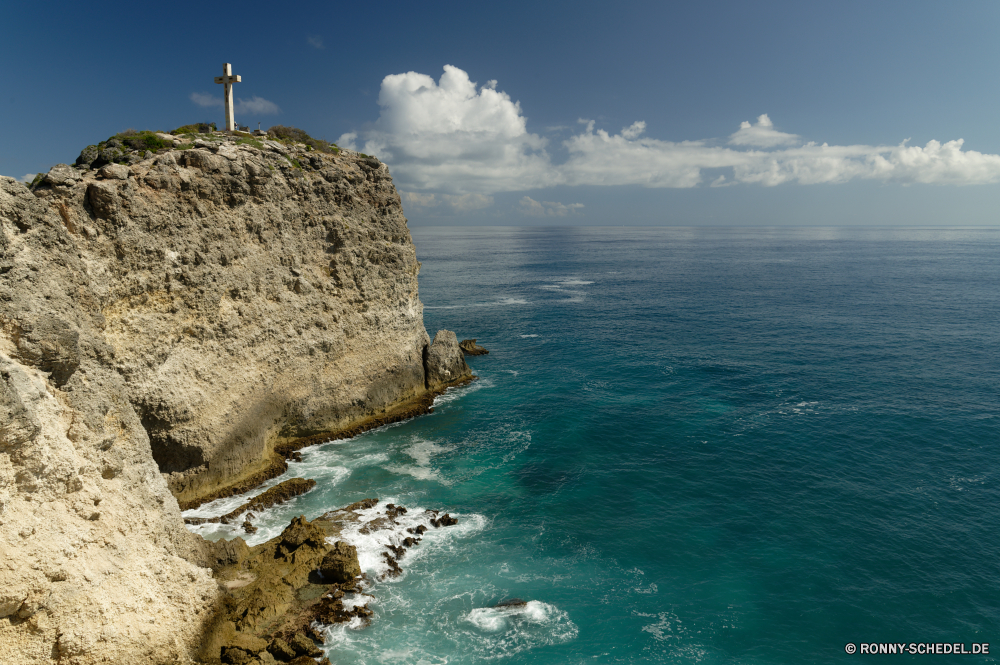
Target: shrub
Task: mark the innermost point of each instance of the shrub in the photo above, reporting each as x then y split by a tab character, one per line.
296	135
196	128
255	143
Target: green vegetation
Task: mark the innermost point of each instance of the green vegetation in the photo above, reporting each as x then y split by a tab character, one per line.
294	162
196	128
291	135
250	141
141	141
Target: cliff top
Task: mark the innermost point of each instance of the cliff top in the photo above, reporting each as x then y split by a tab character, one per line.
131	147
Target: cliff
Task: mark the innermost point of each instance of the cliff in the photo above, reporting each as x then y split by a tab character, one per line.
168	330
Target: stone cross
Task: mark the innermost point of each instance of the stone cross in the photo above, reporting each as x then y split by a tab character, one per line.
228	79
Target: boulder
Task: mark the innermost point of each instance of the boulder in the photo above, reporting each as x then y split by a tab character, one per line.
303	646
341	563
301	532
445	362
52	345
470	348
281	650
87	156
62	175
114	172
103	198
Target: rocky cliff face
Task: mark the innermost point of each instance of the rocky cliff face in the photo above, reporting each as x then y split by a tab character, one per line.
169	324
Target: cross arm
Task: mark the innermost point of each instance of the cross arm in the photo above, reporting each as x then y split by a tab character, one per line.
228	79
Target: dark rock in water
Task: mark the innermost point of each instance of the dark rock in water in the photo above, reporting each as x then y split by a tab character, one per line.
470	348
444	362
444	520
280	493
341	563
513	602
303	646
281	650
420	530
295	456
248	527
397	551
394	569
410	542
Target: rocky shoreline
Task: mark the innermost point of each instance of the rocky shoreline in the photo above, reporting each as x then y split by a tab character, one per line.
176	322
280	596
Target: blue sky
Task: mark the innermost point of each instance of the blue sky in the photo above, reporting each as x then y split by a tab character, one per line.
728	113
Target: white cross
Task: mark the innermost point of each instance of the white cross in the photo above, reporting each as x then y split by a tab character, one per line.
229	79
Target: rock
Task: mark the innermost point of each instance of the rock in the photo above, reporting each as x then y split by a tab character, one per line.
114	172
513	602
62	175
103	197
281	650
341	563
301	532
248	527
410	542
470	348
236	656
444	520
445	362
52	345
107	155
87	156
303	646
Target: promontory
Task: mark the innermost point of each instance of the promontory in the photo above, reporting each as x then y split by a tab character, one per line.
174	322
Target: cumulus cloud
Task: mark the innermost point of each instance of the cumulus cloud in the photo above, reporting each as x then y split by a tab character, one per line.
455	138
315	41
27	178
762	135
531	207
254	105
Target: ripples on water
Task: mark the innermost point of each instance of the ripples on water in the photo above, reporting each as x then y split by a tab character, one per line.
688	445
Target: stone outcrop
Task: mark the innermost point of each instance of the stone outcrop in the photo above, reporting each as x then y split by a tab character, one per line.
470	348
167	328
444	362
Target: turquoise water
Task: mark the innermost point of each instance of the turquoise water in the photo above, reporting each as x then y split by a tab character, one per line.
691	446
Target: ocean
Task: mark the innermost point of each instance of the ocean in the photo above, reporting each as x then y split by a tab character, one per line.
711	445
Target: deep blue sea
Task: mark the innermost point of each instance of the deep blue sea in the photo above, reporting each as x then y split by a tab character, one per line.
691	446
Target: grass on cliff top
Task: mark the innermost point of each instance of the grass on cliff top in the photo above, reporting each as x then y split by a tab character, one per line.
195	128
141	141
291	135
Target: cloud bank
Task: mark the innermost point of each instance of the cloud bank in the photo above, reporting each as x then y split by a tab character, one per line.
457	138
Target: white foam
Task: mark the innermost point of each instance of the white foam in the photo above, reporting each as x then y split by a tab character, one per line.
372	545
505	631
574	282
503	302
526	336
451	394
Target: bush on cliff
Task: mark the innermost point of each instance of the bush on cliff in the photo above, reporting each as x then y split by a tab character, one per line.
296	135
122	148
196	128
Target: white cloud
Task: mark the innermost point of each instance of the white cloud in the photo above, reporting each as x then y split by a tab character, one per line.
315	41
257	105
454	136
452	203
254	105
458	139
208	101
533	208
762	135
27	178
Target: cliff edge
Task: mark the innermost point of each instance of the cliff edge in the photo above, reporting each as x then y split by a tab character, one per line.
168	330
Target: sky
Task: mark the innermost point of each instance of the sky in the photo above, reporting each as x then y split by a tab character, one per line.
537	114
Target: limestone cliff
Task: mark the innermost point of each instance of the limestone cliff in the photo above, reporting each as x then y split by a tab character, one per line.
167	325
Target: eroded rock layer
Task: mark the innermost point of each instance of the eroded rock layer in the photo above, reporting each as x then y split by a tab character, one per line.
165	327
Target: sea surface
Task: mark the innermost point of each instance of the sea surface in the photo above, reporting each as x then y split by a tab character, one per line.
689	446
